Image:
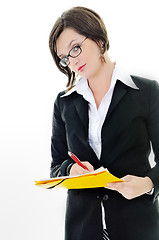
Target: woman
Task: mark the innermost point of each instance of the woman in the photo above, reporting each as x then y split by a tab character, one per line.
107	119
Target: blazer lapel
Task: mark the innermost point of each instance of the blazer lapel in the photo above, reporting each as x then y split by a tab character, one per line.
81	106
119	92
82	109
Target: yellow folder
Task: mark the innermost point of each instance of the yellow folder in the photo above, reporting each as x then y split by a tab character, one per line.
95	179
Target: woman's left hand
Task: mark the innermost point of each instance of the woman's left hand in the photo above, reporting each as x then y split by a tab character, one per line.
132	186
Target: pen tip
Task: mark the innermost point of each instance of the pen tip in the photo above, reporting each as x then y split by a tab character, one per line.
69	153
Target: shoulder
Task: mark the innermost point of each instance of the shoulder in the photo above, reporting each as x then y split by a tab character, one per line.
145	83
64	102
148	91
61	97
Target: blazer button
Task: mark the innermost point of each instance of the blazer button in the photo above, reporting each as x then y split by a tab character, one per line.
105	197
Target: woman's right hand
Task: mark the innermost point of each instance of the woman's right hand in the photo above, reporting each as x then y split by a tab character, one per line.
78	170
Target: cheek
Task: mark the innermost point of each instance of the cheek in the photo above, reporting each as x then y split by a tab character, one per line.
90	56
93	56
93	63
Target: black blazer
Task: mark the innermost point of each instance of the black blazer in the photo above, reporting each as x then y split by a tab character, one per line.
131	124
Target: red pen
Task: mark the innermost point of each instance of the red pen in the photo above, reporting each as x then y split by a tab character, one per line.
76	159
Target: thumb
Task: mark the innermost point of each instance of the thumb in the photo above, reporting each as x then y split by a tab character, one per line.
126	178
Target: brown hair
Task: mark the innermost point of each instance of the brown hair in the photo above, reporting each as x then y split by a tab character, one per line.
84	21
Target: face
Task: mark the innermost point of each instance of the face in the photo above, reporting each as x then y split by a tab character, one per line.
88	63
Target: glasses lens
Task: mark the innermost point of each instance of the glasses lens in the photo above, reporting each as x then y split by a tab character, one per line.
64	62
75	51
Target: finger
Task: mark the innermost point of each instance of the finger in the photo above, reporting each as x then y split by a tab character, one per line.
88	166
84	171
112	186
76	170
127	178
116	186
80	170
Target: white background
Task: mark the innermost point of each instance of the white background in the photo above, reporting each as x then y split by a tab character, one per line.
29	83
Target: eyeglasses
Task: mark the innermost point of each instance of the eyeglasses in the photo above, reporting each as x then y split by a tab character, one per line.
74	52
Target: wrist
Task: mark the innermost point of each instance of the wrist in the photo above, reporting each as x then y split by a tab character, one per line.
68	169
149	186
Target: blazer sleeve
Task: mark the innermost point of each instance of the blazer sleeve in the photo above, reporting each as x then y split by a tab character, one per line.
153	131
59	149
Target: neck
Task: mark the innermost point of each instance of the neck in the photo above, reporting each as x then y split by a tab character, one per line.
100	83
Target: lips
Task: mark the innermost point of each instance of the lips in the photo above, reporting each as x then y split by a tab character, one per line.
80	69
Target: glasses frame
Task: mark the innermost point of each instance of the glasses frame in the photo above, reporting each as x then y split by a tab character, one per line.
64	61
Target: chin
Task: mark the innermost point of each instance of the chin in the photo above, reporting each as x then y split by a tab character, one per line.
85	75
88	74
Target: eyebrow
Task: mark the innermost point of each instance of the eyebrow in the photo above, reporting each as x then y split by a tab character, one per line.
72	42
68	46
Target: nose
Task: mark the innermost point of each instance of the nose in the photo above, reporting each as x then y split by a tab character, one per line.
74	61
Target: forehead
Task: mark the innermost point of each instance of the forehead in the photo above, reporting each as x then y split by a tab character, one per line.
66	40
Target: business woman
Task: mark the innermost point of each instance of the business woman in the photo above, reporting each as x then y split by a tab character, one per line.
108	119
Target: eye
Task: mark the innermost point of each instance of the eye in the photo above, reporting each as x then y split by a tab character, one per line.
75	49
